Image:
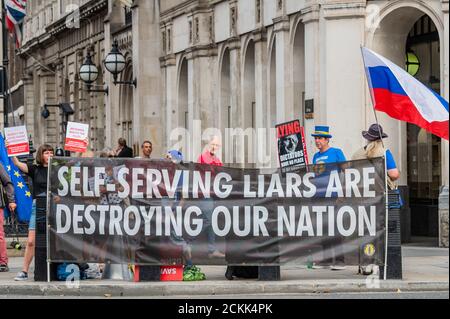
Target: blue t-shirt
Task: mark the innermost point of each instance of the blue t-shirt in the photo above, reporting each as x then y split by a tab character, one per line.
390	162
332	155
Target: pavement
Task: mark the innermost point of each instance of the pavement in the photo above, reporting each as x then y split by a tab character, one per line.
425	269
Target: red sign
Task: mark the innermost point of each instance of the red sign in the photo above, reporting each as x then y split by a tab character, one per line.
74	145
168	273
171	273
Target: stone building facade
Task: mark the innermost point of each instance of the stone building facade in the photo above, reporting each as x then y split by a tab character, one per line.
241	64
57	35
254	63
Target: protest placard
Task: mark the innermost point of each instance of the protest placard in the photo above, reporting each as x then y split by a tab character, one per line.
17	138
76	137
292	151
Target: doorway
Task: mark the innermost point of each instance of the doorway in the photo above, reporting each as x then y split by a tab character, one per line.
424	149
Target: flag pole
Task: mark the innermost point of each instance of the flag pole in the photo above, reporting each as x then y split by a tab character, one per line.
6	89
385	165
5	66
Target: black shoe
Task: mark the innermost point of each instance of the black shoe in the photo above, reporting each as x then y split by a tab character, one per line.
229	274
4	268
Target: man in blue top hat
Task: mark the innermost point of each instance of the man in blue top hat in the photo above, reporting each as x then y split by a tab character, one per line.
333	247
326	153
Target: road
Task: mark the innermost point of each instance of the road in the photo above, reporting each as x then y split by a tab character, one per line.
375	295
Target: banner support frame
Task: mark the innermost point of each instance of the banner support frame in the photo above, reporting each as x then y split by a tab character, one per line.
386	194
47	219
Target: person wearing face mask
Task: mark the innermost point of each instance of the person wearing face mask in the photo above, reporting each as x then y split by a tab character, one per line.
38	173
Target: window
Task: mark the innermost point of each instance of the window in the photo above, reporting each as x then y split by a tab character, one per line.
128	16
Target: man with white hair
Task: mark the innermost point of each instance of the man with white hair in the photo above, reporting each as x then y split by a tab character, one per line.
209	157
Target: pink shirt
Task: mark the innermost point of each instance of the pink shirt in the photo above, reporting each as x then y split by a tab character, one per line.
207	158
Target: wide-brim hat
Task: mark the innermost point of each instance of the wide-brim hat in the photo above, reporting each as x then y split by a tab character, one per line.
322	131
374	133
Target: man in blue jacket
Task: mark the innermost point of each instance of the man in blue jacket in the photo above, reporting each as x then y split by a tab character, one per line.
333	247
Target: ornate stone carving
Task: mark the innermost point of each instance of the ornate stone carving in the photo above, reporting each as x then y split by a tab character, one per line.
233	20
211	28
258	11
197	29
191	32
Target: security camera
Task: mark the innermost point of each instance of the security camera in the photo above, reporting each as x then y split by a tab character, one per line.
45	113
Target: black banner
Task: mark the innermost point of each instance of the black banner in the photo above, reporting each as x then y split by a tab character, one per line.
160	213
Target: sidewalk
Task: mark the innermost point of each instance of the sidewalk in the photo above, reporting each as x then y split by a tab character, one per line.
424	269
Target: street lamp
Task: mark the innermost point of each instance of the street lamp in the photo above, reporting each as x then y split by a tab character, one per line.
115	64
66	111
89	74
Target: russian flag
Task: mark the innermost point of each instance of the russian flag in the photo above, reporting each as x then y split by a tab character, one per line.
398	94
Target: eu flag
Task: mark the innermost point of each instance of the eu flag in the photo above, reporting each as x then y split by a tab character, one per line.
24	199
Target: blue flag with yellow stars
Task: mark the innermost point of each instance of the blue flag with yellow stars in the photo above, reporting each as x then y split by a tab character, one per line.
24	200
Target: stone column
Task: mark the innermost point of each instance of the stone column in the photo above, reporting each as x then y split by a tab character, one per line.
201	96
342	82
28	89
169	69
261	110
237	120
284	102
443	197
148	113
312	74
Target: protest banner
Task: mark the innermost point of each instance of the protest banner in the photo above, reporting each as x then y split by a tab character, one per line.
17	138
151	212
292	152
76	137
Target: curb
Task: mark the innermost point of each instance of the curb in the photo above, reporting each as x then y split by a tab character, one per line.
212	289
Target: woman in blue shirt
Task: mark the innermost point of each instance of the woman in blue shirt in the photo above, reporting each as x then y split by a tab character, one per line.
375	148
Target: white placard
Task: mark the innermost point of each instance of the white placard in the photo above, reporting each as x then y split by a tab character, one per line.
17	138
77	137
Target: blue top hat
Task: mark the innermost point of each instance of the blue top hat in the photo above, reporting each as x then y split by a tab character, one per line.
176	155
322	131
